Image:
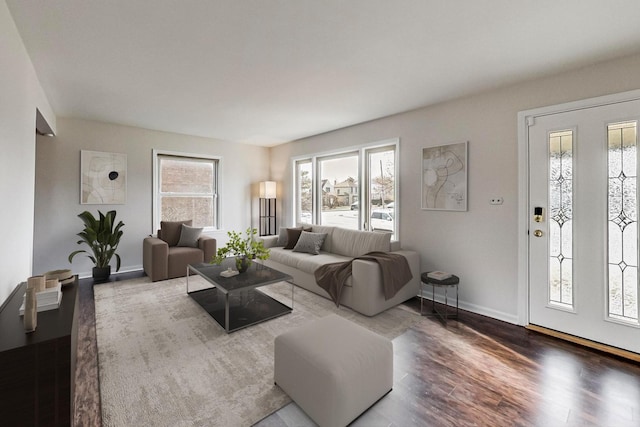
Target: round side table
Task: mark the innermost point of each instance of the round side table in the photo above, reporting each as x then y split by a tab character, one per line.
446	284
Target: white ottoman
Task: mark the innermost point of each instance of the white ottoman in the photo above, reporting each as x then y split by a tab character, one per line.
333	369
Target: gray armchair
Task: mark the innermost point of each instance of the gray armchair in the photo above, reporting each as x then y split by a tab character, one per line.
167	256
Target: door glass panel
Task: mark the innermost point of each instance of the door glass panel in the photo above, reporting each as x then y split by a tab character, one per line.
339	186
623	226
560	219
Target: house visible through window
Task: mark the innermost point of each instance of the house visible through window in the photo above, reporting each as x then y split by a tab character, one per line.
186	188
342	171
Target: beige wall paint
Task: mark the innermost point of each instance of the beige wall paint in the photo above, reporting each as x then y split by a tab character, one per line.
20	96
480	245
57	199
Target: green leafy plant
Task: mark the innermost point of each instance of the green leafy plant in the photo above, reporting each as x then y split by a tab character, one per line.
240	246
102	235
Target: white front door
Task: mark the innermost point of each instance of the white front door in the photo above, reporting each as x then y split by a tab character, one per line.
583	248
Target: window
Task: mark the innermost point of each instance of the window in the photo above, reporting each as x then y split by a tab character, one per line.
304	191
186	187
354	189
381	187
623	253
561	218
340	171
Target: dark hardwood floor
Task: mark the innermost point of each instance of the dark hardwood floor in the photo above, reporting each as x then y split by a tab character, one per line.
476	371
88	410
480	371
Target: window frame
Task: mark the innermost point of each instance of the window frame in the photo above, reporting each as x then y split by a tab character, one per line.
334	155
367	213
297	209
217	163
363	175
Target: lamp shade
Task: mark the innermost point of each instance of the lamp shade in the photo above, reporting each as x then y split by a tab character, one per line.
268	190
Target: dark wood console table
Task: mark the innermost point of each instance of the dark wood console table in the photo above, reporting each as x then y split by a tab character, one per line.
37	370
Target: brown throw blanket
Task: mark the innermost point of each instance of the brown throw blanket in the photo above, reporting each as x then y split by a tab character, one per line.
395	274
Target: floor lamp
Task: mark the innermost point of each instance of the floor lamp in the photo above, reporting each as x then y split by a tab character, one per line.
267	208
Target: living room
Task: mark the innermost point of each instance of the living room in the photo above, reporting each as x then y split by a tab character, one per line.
40	174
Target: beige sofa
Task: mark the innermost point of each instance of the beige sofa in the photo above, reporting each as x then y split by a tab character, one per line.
363	291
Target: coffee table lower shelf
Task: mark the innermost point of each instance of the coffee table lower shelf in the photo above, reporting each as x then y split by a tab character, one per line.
246	309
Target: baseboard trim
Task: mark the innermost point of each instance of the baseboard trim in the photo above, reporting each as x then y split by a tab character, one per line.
586	343
477	309
87	275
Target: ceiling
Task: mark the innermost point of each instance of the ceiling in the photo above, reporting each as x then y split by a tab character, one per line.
266	72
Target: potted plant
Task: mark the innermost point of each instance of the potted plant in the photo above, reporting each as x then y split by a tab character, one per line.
102	235
245	249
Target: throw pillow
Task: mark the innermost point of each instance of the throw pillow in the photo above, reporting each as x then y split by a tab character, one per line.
282	237
310	242
170	231
293	234
292	238
189	236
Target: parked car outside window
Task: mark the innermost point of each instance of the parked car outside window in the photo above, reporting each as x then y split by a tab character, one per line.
305	217
382	219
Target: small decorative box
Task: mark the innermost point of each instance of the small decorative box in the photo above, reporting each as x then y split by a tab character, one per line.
229	273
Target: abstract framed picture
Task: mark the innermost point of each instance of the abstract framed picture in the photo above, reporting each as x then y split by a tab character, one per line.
103	178
444	177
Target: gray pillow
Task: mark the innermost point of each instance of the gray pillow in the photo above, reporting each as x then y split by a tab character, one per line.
170	231
189	236
310	242
282	237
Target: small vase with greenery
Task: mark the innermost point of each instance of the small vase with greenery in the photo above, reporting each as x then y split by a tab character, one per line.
245	249
102	235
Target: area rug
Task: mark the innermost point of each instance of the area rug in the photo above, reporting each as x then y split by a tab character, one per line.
165	362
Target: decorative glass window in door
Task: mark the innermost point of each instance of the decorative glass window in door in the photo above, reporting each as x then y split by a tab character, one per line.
623	221
560	219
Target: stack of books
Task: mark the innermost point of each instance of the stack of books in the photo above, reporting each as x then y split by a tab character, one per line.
49	299
438	275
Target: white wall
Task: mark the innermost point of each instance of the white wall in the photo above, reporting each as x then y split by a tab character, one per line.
20	96
480	245
57	200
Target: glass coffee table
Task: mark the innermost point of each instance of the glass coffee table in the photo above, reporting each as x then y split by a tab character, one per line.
236	302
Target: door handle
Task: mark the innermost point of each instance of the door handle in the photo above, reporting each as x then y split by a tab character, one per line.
537	233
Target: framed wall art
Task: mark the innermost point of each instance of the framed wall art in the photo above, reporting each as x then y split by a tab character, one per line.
103	178
444	177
